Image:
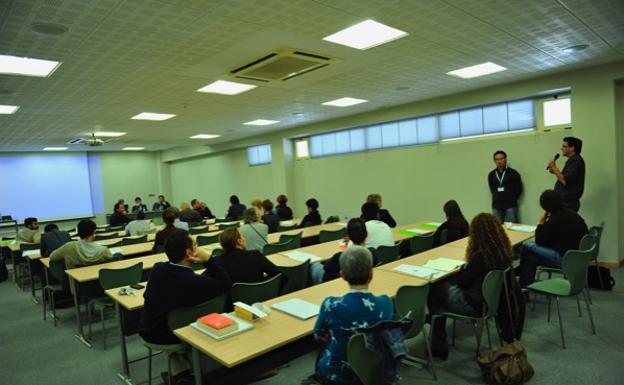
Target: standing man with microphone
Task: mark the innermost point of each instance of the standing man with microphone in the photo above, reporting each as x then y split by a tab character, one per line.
571	180
506	186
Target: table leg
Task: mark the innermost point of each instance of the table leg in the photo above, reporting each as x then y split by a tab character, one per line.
197	372
125	366
31	266
80	334
14	267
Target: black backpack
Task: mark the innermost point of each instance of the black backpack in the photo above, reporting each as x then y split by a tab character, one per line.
599	277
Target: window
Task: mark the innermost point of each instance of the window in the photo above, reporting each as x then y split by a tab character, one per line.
260	154
557	112
302	149
469	122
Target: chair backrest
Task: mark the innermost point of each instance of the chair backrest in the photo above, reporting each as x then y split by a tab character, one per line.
198	230
184	316
491	290
119	243
366	364
159	249
134	240
251	293
597	231
221	220
111	278
443	236
116	228
332	219
296	277
101	237
274	248
216	252
286	228
587	242
331	235
57	273
388	254
203	240
294	237
574	264
228	225
421	243
29	246
412	299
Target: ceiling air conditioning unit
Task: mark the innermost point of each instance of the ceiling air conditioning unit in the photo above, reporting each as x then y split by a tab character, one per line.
281	65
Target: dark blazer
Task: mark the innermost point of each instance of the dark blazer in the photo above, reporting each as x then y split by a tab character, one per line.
162	235
173	286
190	215
272	221
332	266
236	211
385	217
205	213
284	212
118	219
512	185
561	232
141	207
454	230
312	219
52	240
247	265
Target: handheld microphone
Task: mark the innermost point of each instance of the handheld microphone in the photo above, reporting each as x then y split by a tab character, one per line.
557	155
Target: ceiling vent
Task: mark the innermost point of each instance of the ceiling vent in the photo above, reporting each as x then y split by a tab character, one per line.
281	65
91	141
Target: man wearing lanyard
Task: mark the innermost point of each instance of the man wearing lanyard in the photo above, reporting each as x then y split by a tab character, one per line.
506	186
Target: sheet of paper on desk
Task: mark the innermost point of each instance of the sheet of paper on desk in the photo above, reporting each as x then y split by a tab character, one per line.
298	308
28	253
287	223
419	271
523	228
444	264
114	250
300	256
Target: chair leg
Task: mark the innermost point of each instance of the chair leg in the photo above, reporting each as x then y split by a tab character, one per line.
454	324
53	306
89	321
103	326
591	318
560	323
578	306
479	334
431	365
44	303
589	295
149	366
169	375
487	329
548	319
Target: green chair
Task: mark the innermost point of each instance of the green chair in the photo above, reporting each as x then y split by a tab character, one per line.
110	279
281	228
119	243
491	290
198	230
101	237
228	225
387	254
597	232
296	237
412	301
574	265
421	243
216	252
57	283
443	237
274	248
181	317
332	219
116	228
21	267
251	293
296	277
133	240
366	364
203	240
331	235
221	220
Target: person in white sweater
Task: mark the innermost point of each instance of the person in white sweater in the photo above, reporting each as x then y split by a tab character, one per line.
379	233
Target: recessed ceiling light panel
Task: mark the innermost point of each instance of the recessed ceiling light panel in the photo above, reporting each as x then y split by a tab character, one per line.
55	149
152	116
107	134
133	148
15	65
477	70
6	109
224	87
344	102
261	122
205	136
365	35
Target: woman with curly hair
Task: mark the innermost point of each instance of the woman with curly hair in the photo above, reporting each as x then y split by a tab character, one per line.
488	249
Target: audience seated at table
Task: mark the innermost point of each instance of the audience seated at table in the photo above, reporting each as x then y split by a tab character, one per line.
241	264
139	226
119	217
52	238
30	233
269	217
379	233
488	249
174	285
253	232
161	205
384	215
558	231
340	317
256	204
313	217
201	208
456	225
236	209
282	210
189	215
169	216
83	252
139	206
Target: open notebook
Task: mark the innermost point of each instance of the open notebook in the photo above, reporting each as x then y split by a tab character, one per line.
300	256
298	308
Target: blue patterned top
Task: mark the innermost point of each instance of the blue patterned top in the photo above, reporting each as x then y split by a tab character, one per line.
338	319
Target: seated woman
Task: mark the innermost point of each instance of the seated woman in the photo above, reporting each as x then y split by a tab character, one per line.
313	217
340	317
456	225
282	210
254	232
241	264
257	205
269	217
384	215
488	249
169	217
236	209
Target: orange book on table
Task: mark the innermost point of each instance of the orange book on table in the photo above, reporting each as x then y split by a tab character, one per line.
216	321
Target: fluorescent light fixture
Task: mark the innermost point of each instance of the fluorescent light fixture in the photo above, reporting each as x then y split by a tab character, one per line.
261	122
152	116
205	136
365	35
477	70
133	148
107	134
15	65
224	87
344	102
6	109
55	149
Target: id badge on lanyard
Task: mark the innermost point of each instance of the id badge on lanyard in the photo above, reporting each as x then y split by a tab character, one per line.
500	181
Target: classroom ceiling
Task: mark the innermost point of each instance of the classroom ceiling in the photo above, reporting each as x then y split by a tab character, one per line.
123	57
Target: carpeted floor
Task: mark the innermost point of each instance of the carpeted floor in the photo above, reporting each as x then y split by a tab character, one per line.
35	352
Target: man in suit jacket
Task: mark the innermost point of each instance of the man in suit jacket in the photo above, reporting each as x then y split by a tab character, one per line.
174	285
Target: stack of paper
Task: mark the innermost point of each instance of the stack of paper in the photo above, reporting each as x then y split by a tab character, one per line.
242	326
444	264
298	308
287	223
301	256
419	271
28	253
114	250
523	228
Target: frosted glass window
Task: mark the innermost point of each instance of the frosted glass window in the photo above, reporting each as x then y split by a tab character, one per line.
329	144
495	118
407	132
302	148
390	134
449	125
471	122
427	130
373	137
358	139
260	154
557	112
343	142
521	114
316	145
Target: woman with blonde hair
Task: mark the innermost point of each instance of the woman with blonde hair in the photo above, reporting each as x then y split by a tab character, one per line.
488	249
